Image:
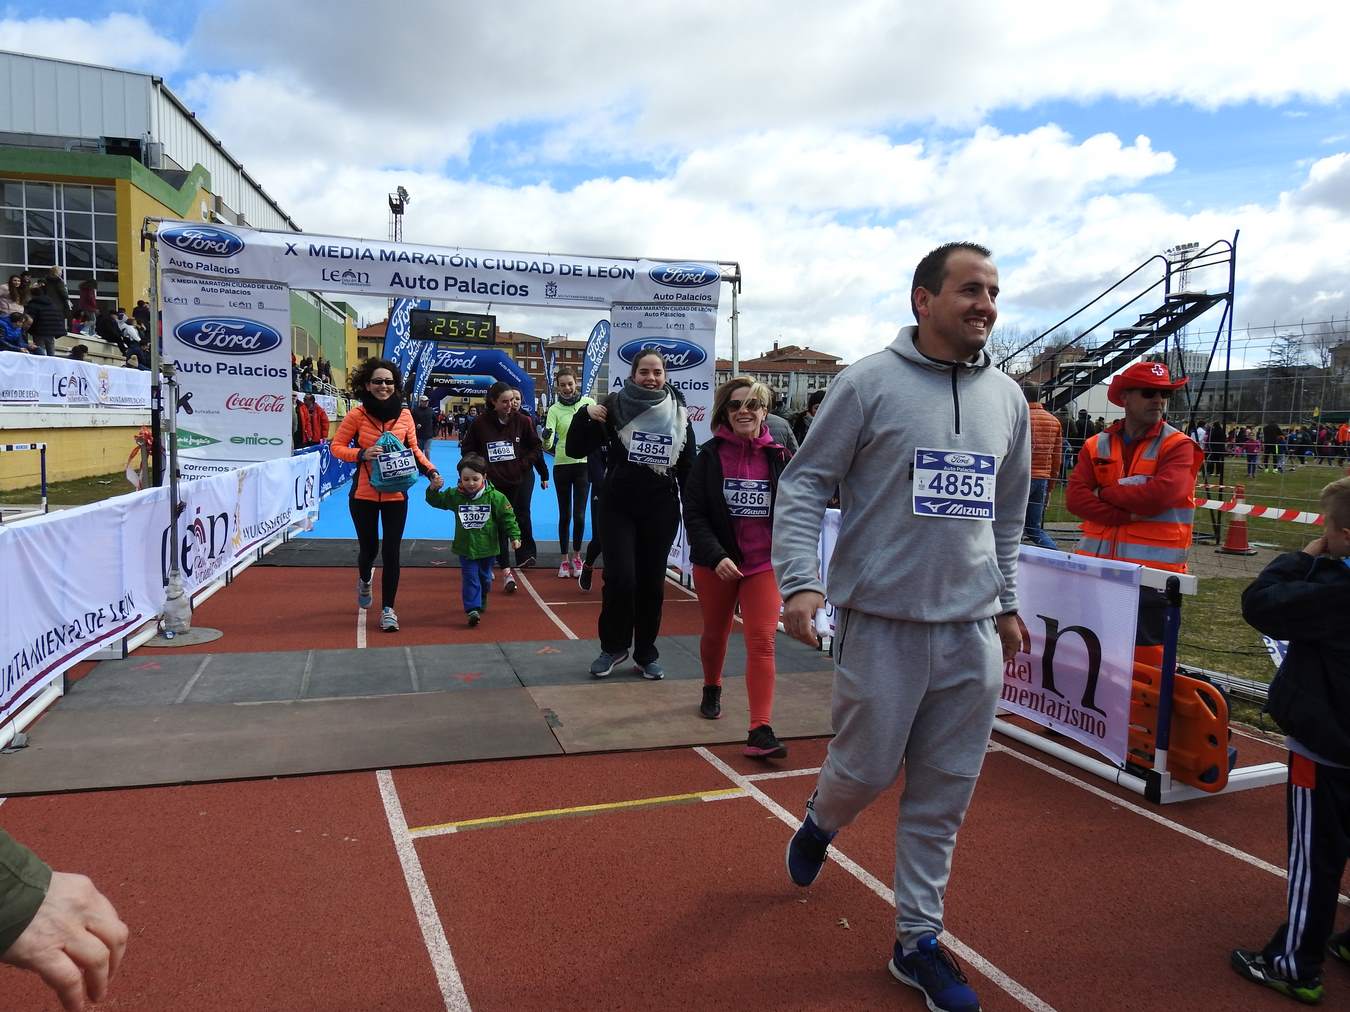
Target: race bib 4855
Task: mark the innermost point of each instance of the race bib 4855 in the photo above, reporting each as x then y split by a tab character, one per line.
954	484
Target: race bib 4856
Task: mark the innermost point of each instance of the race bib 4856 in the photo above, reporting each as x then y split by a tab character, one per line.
746	497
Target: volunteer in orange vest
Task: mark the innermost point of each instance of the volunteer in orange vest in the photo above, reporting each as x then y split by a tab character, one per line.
1343	440
378	385
313	422
1134	489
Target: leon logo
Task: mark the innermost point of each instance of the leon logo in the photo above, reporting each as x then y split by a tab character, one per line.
684	275
189	440
227	335
678	354
202	240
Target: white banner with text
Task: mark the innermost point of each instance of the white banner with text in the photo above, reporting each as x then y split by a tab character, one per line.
230	344
352	266
62	382
685	335
84	577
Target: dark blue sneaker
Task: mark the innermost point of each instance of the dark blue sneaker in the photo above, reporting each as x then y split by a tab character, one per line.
934	971
806	852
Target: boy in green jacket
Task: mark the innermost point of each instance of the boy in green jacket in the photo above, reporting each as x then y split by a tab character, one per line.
481	514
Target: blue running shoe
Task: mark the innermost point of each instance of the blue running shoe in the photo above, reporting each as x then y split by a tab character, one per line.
806	852
651	670
934	971
364	598
607	662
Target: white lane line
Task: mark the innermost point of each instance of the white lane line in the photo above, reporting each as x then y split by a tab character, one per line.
412	670
520	577
309	670
360	628
433	933
1018	992
1176	827
192	682
781	774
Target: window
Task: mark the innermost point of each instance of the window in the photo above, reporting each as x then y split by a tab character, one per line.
67	225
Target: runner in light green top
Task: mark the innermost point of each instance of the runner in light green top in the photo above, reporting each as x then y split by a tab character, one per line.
570	481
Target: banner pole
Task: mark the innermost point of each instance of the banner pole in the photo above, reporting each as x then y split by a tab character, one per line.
156	391
735	328
177	606
1171	635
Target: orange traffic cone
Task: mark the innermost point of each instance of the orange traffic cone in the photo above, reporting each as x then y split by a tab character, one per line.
1235	542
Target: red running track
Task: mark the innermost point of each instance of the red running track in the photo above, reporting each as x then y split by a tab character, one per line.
290	894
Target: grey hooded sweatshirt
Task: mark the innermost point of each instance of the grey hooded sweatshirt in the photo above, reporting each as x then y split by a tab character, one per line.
888	561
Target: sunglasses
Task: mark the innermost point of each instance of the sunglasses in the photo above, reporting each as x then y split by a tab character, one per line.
1150	393
753	404
381	383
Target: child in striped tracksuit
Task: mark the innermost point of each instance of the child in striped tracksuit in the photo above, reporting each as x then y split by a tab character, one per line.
1304	597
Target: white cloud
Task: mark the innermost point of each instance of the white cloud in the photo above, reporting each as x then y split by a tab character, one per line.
118	40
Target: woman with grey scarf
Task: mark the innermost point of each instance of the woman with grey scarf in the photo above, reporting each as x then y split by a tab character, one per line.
651	449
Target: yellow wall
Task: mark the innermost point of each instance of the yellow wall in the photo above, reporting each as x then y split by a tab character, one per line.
349	342
134	205
71	453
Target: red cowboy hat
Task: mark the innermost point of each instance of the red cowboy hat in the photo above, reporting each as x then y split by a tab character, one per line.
1141	376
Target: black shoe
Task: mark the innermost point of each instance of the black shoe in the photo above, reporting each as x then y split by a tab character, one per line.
763	744
509	586
1254	967
474	617
584	580
711	707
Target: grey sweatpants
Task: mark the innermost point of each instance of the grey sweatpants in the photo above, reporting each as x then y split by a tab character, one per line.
923	694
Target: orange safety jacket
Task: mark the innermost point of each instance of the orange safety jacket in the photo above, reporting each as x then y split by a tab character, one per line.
1159	541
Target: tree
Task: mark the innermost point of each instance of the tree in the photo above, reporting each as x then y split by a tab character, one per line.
1286	354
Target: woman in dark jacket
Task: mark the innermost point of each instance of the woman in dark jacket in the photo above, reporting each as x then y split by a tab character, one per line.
728	518
49	323
651	449
506	439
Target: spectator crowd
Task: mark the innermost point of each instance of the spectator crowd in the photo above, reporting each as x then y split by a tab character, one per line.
37	310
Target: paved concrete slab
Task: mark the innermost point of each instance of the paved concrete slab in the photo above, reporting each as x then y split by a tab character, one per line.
76	749
628	715
374	672
463	666
568	662
246	678
139	680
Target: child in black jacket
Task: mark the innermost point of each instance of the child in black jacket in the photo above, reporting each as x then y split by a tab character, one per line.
1304	597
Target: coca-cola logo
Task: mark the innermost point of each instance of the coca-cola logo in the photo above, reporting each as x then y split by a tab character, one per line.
261	403
697	413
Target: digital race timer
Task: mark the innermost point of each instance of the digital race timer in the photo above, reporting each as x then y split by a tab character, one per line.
445	325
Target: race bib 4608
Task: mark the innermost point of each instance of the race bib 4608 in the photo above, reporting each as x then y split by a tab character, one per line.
954	484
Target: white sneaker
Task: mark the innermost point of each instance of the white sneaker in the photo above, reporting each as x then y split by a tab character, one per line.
388	620
565	570
363	595
509	581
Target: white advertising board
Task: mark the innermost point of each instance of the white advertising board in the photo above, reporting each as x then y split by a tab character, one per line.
686	335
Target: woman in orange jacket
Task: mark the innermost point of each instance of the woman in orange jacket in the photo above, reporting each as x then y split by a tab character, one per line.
378	385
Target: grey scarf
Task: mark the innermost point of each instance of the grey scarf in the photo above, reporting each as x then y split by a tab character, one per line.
655	419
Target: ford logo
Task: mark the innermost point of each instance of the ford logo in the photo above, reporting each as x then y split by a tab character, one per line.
684	275
226	335
678	354
960	459
202	240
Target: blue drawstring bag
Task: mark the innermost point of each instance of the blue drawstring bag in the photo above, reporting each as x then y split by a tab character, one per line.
395	470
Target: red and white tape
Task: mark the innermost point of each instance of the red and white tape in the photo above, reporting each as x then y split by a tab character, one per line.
1253	510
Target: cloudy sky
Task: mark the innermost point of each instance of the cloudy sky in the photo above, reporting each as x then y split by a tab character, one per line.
823	147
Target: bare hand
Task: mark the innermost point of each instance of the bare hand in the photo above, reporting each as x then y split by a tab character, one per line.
1010	635
437	483
74	943
728	571
516	543
372	452
799	616
597	411
544	483
1316	548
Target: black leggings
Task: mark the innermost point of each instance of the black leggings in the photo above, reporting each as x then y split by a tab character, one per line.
519	497
638	532
571	483
367	516
594	549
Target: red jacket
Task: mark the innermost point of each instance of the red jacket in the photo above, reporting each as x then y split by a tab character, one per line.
313	423
358	425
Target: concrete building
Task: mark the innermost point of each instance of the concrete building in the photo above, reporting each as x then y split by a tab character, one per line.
793	373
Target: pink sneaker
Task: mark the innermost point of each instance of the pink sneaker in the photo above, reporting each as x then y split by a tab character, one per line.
564	571
576	563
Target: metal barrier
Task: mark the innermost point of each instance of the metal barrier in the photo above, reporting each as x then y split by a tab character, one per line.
42	507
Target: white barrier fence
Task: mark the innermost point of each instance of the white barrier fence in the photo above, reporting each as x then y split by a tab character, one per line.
50	382
85	581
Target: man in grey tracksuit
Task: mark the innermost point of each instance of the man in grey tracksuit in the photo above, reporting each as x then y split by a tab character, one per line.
929	447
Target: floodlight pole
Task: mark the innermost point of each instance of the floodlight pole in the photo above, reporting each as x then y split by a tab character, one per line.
735	280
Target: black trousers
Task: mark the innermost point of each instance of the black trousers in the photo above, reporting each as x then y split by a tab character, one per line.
1317	802
596	546
368	517
571	483
519	496
637	537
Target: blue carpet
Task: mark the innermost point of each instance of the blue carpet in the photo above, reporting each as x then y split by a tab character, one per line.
424	522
